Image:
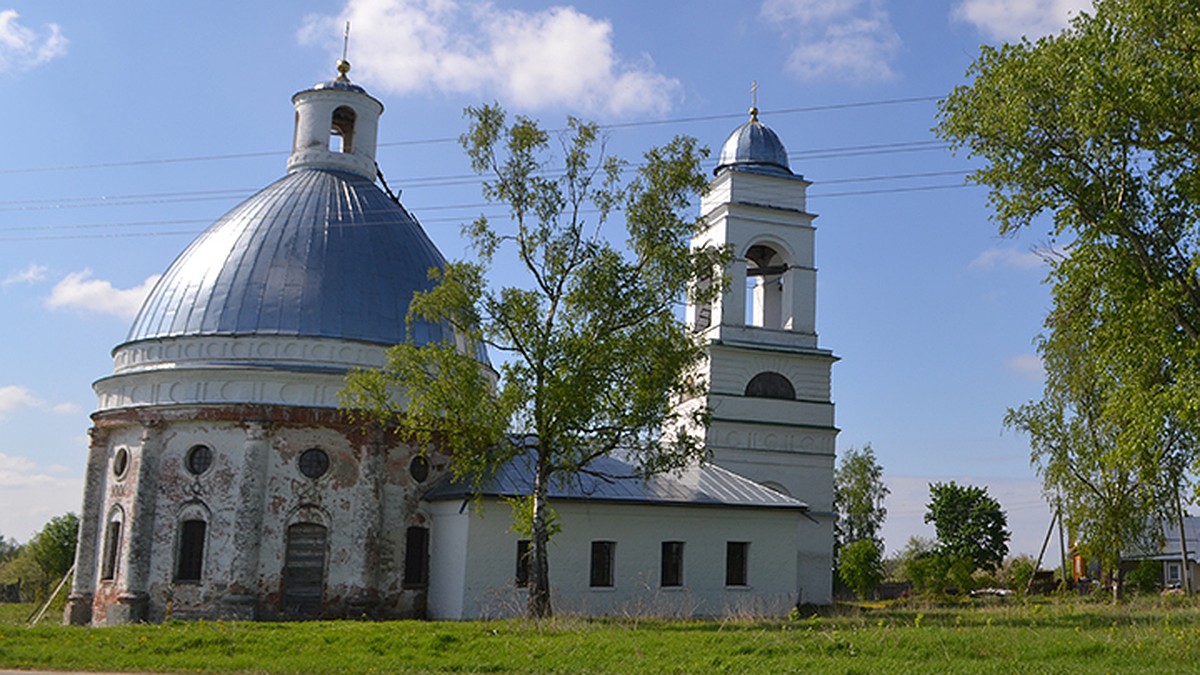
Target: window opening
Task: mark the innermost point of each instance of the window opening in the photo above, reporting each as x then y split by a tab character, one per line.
120	462
737	556
416	557
602	563
418	468
522	562
190	565
112	548
199	459
770	385
672	563
314	462
341	132
765	268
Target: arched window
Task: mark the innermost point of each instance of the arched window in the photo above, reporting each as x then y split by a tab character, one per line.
765	268
189	565
416	557
304	570
112	544
770	385
341	130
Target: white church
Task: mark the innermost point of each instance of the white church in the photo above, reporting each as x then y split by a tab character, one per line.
223	482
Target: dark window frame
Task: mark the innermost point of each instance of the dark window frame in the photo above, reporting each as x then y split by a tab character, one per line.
112	549
189	561
603	564
522	574
416	557
737	563
672	565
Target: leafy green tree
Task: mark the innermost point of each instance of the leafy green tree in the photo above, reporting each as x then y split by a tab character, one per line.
594	356
860	566
921	565
1095	128
971	528
53	548
858	494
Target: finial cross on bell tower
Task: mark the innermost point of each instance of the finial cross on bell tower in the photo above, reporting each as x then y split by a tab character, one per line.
343	66
754	100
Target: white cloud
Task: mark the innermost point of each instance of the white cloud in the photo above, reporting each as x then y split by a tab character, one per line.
1010	20
1026	366
29	497
13	397
553	57
29	275
66	408
851	39
22	47
77	291
1008	257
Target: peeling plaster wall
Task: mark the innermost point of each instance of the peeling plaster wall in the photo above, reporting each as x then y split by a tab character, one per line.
367	500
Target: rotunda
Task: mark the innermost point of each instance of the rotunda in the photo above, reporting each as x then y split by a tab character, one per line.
222	480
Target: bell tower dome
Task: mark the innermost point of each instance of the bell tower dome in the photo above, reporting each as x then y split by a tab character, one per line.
337	126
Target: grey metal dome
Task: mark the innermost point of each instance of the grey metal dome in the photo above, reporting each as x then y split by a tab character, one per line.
754	147
318	253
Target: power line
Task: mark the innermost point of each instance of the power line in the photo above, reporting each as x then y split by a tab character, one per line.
448	139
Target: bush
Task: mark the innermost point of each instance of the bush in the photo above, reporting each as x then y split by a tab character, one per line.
860	566
1145	577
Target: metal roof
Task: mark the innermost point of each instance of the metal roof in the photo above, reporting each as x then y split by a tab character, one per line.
318	253
704	485
754	146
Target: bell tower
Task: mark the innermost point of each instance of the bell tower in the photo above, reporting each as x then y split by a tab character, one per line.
769	381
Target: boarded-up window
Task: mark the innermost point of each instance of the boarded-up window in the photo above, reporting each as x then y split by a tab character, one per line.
522	562
737	555
190	565
416	557
112	548
304	570
672	563
602	563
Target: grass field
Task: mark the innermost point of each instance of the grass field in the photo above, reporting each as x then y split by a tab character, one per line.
1058	636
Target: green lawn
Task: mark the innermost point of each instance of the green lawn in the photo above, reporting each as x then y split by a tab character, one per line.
1060	636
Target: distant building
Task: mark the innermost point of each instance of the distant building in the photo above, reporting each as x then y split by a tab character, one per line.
1170	554
223	481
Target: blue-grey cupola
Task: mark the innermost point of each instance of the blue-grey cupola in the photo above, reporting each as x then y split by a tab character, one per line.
754	147
337	126
321	253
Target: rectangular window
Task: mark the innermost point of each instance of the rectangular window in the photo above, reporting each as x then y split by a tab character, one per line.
416	557
190	564
1173	572
737	555
112	547
602	563
523	562
672	563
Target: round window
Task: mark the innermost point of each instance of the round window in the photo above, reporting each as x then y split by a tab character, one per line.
120	462
199	458
419	468
314	463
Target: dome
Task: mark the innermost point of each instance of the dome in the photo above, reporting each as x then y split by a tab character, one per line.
754	147
319	253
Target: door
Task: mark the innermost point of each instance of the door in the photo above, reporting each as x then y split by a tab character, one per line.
304	571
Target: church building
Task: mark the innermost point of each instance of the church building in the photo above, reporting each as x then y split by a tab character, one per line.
223	482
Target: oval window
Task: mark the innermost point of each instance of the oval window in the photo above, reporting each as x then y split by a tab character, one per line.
419	468
120	462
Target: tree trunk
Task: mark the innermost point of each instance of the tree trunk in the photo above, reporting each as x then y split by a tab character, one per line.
1183	551
1116	579
539	564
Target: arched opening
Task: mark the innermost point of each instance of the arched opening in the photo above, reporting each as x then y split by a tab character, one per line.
112	544
770	385
304	570
765	268
341	130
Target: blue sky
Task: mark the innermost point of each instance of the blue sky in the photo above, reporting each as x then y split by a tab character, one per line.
132	126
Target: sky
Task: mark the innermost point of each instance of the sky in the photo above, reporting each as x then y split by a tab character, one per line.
133	126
